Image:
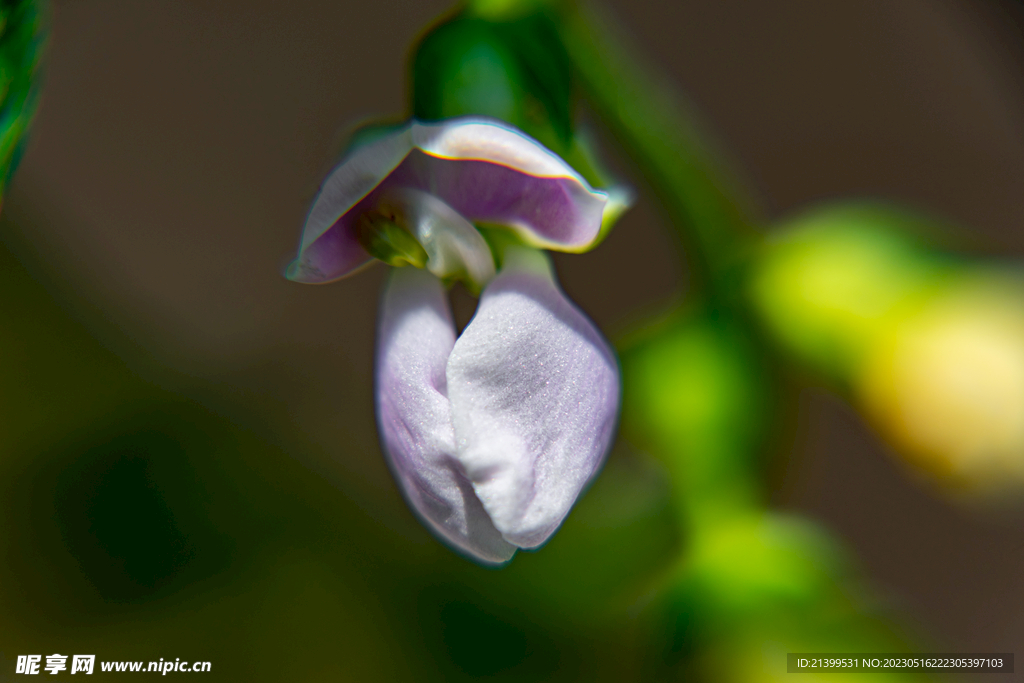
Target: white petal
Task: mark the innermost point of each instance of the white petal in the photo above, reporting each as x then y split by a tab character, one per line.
482	140
452	244
534	391
415	339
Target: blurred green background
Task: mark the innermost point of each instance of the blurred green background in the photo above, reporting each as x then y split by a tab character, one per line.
189	459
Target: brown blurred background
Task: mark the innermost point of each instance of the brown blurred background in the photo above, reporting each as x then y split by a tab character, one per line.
178	146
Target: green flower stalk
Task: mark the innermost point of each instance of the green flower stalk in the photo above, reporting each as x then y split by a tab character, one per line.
715	217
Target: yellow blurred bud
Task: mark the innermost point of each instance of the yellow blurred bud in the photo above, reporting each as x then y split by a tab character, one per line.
931	347
828	281
946	384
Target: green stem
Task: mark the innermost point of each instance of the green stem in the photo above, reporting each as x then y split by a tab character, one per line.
711	465
714	217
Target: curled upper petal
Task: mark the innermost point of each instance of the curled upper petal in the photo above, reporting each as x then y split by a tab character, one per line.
483	170
534	393
415	340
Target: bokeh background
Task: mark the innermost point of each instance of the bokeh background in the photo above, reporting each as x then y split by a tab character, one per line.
189	458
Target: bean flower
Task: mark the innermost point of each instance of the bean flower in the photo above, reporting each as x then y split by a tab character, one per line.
491	434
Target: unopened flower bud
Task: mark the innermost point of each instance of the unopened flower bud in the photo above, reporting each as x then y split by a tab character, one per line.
828	282
946	384
931	347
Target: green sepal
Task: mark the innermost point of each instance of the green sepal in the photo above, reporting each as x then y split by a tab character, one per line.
515	71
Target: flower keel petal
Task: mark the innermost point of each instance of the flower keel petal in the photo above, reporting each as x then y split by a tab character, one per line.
415	339
534	392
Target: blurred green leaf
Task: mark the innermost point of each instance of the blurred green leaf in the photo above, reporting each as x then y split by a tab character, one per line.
696	395
752	590
755	566
140	521
22	41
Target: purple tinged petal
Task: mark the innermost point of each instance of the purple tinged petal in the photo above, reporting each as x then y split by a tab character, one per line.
329	249
352	180
495	174
483	170
534	393
415	339
336	254
556	213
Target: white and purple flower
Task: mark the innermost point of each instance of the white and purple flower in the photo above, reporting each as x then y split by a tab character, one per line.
492	434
